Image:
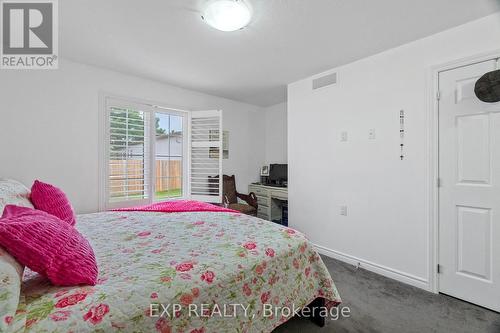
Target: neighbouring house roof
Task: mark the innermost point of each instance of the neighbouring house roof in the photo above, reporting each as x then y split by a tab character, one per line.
160	138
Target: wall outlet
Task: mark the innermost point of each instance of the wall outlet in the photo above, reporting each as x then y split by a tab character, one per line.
343	210
372	134
344	136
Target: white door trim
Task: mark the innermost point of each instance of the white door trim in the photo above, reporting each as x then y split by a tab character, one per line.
433	149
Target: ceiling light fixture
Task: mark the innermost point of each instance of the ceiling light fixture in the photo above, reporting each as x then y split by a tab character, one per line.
227	15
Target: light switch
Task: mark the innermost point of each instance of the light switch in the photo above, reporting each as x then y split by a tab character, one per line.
343	136
372	134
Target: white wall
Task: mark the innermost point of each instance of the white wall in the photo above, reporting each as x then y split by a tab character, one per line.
49	126
388	213
276	133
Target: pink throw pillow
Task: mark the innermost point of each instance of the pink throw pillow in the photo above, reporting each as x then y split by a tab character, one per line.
52	200
49	246
12	210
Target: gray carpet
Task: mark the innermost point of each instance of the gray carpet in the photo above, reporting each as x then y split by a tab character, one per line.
382	305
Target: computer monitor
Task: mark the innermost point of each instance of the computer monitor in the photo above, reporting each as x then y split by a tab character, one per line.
278	173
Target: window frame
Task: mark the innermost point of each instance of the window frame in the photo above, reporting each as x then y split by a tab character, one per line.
108	100
185	152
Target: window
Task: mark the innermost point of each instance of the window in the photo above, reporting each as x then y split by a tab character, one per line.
169	156
128	152
156	154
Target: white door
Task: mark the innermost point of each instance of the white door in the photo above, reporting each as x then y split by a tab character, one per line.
469	194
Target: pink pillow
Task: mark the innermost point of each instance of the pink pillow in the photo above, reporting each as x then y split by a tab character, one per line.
52	200
12	210
48	246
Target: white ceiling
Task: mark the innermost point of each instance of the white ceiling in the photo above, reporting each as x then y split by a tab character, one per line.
166	40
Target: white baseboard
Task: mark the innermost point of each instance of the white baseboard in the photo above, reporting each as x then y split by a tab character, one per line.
379	269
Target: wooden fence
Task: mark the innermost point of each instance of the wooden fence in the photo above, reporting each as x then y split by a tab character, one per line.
170	169
168	176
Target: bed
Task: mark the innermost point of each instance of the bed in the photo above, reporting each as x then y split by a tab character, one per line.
180	272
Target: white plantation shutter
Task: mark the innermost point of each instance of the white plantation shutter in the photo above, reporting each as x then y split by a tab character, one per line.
205	176
128	174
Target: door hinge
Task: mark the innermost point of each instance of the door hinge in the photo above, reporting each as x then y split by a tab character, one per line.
439	182
438	95
439	269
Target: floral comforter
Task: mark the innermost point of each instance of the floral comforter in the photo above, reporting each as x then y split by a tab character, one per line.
181	272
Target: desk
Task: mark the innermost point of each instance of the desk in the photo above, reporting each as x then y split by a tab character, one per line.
270	199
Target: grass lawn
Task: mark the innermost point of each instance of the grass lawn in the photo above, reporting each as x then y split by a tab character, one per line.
173	193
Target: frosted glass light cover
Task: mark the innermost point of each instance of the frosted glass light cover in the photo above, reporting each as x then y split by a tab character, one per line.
227	15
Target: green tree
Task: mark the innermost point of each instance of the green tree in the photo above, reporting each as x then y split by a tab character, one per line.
159	130
127	127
